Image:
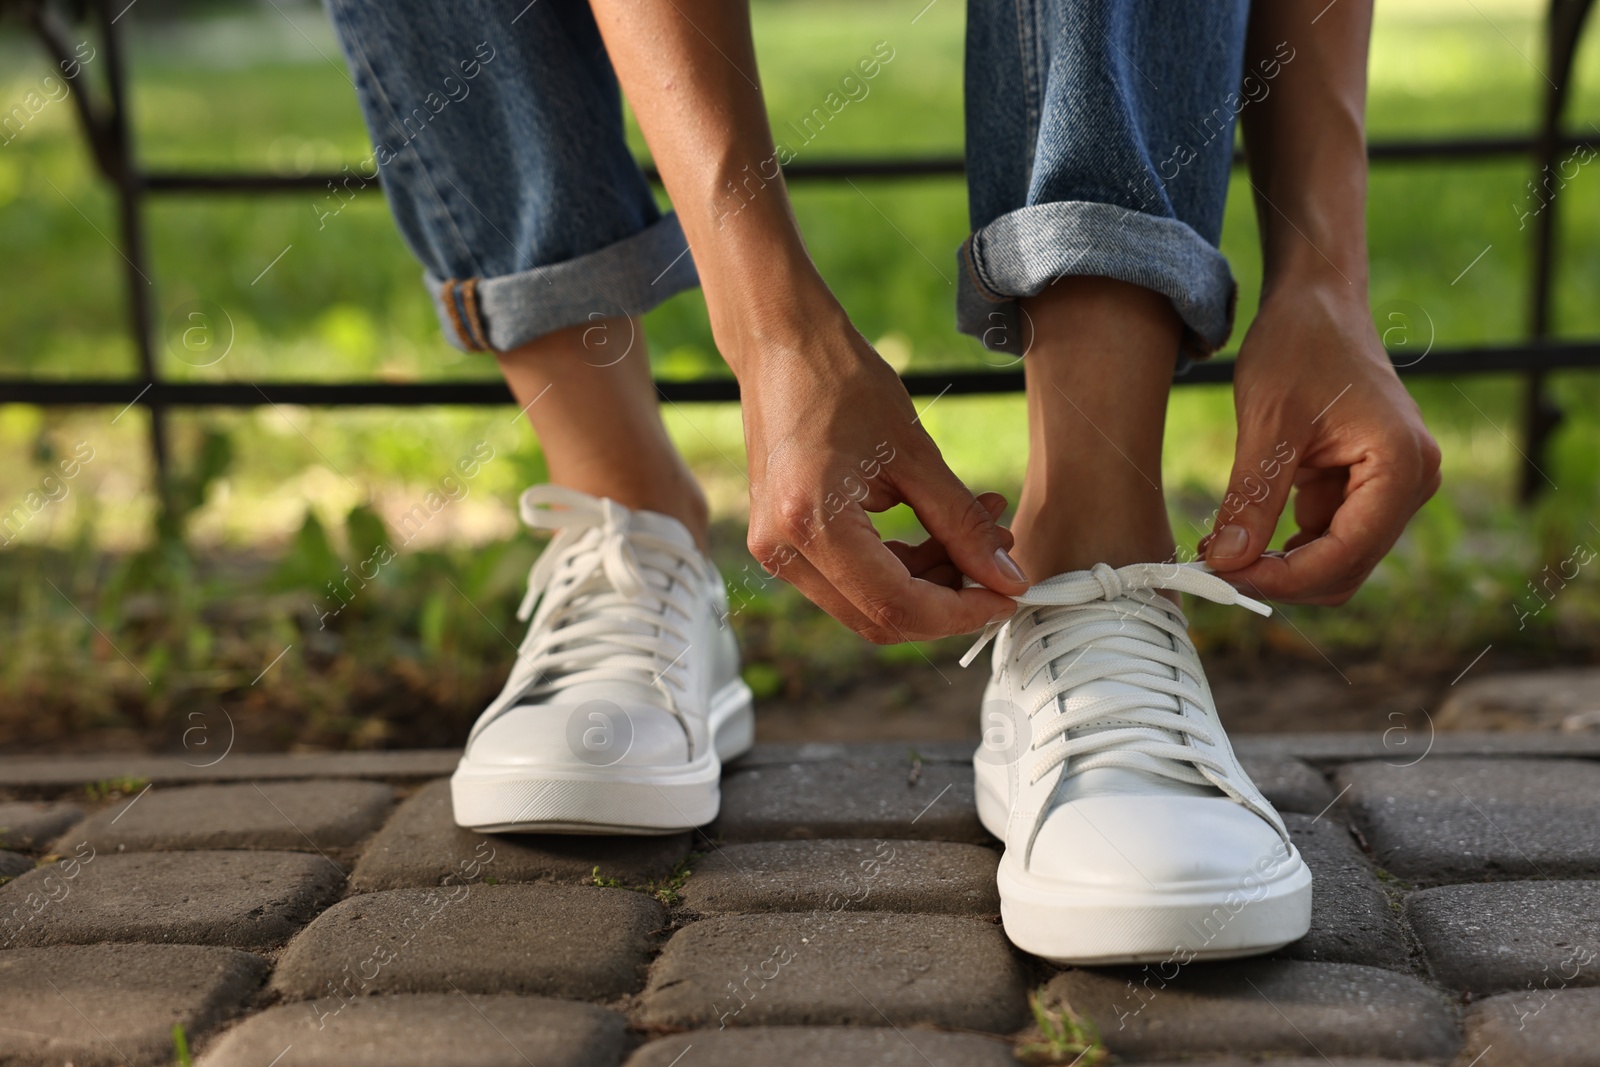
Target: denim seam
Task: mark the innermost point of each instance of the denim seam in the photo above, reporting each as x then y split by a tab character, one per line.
469	302
972	262
447	300
1028	44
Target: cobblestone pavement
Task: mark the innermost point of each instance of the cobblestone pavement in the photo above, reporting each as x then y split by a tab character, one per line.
305	910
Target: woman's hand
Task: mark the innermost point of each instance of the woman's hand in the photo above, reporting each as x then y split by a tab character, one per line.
1321	409
832	435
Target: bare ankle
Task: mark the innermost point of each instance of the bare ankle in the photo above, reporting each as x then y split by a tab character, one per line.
679	497
1054	542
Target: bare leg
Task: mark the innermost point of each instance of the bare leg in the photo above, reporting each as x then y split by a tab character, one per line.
1097	378
595	413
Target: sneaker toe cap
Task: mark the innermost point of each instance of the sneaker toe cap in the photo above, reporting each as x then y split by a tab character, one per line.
1144	842
593	733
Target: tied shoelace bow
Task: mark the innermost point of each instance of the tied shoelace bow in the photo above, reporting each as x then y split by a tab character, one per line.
1091	612
611	598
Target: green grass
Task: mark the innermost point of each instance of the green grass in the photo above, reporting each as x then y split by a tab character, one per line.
108	629
113	788
1065	1037
665	889
180	1047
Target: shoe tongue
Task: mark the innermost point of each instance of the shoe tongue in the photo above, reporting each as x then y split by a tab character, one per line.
1118	780
1091	656
594	604
663	526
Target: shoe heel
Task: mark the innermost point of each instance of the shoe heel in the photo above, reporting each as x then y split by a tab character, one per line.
733	721
993	811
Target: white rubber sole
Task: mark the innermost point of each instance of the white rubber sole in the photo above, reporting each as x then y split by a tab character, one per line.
607	800
1258	912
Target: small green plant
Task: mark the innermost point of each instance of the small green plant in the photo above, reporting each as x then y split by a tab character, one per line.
1394	888
1065	1037
1392	881
113	788
663	889
180	1046
667	889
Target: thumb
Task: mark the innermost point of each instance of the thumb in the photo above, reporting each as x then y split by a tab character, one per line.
966	526
1264	463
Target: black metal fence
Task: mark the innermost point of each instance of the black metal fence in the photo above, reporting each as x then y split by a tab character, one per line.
105	126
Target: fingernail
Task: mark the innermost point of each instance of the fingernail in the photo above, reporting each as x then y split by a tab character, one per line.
1003	616
1008	566
1231	541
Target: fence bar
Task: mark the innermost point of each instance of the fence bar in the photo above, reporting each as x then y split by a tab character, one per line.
140	286
1541	415
1508	359
1476	148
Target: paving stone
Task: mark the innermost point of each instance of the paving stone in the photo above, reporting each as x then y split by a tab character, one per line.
1352	920
70	772
769	753
1562	700
1467	820
239	899
584	943
88	1005
1560	1029
426	1030
421	845
1290	784
13	864
298	816
1498	936
834	969
877	1046
904	876
414	765
28	827
1261	1007
850	798
1327	750
1295	1061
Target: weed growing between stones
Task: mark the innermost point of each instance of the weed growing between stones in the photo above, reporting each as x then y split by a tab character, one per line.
113	788
1065	1037
1394	888
663	889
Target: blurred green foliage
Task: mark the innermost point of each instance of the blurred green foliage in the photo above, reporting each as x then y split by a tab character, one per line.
117	616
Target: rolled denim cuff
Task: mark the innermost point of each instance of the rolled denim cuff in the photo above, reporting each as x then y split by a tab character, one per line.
1023	252
625	278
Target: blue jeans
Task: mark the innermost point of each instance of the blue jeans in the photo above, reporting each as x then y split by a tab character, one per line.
1099	135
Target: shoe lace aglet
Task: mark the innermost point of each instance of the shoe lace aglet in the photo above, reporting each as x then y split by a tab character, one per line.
1251	604
984	638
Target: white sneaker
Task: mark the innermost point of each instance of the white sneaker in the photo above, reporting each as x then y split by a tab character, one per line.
1132	834
625	697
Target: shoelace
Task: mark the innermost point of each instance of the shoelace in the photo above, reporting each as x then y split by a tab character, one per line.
1091	610
611	598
